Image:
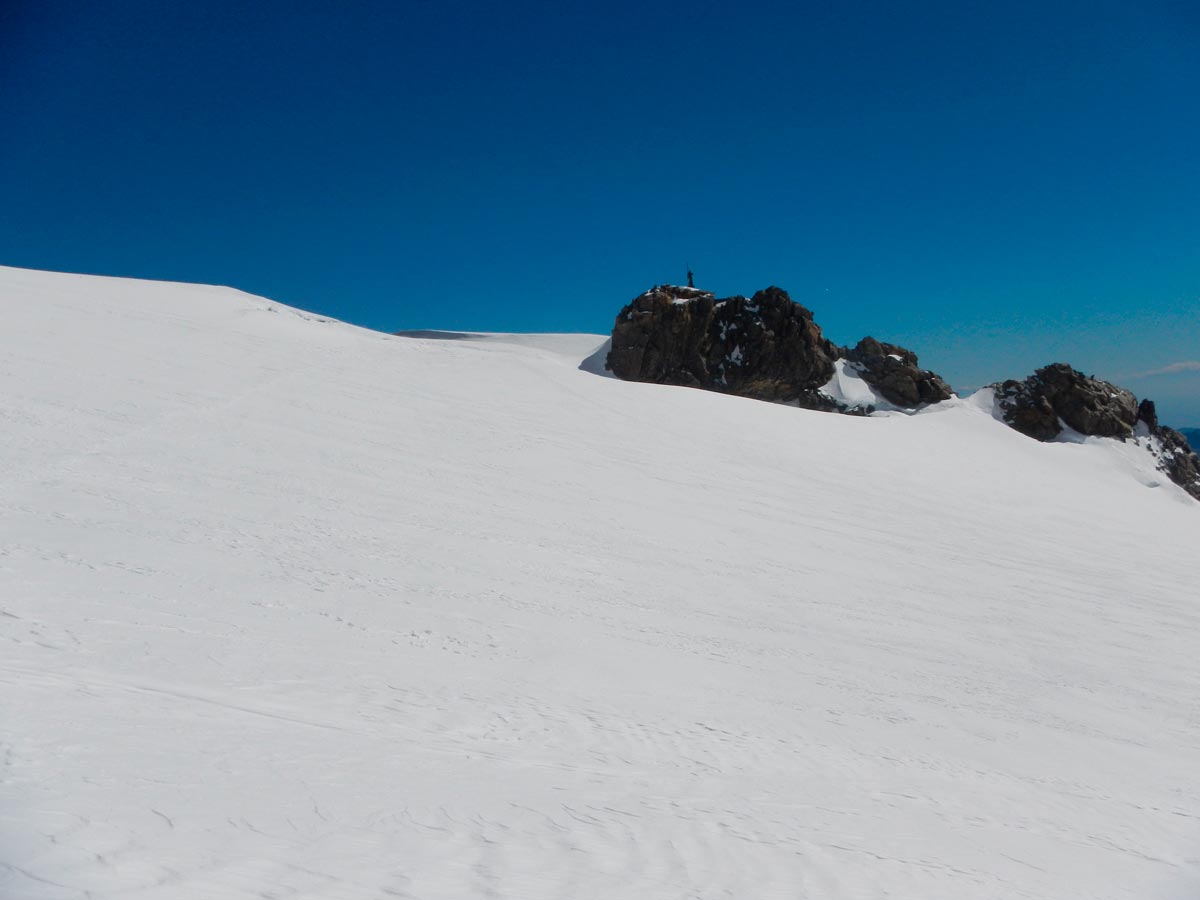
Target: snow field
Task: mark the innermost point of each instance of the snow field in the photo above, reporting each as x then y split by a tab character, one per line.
293	609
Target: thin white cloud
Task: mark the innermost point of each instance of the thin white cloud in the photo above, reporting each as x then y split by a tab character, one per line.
1190	365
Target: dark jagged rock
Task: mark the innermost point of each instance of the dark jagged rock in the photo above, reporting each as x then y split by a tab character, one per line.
767	347
1146	412
1058	396
1178	460
894	373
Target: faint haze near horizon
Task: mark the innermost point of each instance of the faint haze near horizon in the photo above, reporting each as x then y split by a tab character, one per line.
995	187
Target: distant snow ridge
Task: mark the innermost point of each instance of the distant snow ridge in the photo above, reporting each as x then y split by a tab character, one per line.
771	348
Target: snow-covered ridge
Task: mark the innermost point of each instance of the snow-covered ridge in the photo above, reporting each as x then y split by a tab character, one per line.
769	347
291	607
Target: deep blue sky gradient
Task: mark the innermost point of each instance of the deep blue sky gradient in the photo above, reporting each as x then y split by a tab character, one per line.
996	185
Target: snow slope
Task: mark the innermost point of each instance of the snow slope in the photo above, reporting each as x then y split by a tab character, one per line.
293	609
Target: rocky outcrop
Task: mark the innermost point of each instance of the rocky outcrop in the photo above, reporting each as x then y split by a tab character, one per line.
1177	460
1058	397
893	372
767	347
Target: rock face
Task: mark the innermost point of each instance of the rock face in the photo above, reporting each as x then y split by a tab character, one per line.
1058	397
1180	462
767	347
894	373
1176	457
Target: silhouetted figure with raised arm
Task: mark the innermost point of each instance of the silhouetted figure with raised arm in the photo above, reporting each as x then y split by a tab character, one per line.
690	284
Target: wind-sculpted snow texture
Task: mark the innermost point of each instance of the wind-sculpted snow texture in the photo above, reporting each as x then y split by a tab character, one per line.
293	609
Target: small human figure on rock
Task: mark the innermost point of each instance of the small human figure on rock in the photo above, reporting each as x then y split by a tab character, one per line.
691	284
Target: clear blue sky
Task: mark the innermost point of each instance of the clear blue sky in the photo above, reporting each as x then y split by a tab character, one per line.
996	185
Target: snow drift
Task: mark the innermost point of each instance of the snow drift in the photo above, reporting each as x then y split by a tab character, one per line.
291	608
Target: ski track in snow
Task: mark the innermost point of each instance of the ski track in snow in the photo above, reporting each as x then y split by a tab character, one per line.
291	609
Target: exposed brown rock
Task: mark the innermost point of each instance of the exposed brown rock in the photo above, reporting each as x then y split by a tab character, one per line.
1178	460
1057	396
894	373
766	347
